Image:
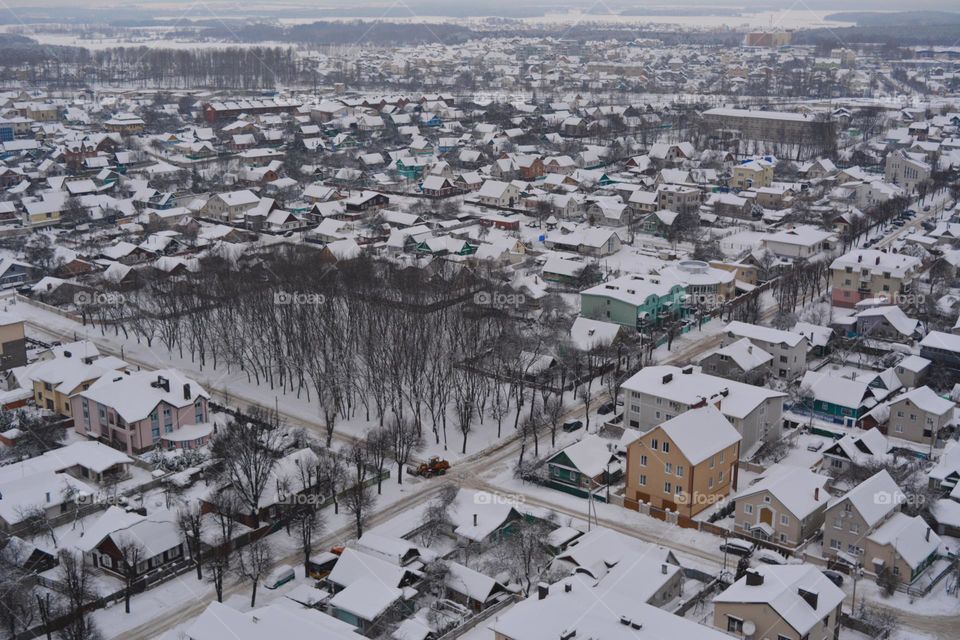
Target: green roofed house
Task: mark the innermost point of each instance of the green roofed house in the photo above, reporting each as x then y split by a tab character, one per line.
633	301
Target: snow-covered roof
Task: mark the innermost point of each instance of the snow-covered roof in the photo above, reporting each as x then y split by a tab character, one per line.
367	598
798	489
780	588
925	399
590	455
737	400
587	333
700	433
875	497
220	621
134	396
744	353
764	334
910	537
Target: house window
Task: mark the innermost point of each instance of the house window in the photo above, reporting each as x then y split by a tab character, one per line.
667	487
748	508
643	460
784	519
642	480
783	537
854	528
835	545
654	444
710	483
167	420
713	461
838	523
666	447
721	475
723	454
198	412
734	625
668	468
679	470
679	490
766	499
896	570
898	428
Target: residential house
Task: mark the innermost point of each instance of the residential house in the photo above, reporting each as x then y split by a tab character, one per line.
127	410
786	505
906	546
786	602
584	466
860	449
686	464
789	350
127	544
495	193
740	360
860	511
920	415
798	243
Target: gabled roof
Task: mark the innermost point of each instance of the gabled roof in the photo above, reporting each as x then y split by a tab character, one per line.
798	489
909	537
780	589
700	433
875	497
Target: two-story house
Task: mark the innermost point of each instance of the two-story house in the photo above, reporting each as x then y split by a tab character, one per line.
133	411
786	602
785	506
919	415
856	514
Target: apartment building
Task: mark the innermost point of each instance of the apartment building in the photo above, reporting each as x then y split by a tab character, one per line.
870	273
656	394
906	169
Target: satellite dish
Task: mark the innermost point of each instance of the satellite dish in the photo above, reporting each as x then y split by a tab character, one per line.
749	628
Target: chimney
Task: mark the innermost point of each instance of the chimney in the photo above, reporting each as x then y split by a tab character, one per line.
926	536
474	519
750	348
567	587
543	589
816	494
878	259
625	621
754	578
860	258
663	568
667	378
809	596
48	496
186	391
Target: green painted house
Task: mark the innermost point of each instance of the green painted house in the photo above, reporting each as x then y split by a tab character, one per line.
444	246
835	398
584	466
633	301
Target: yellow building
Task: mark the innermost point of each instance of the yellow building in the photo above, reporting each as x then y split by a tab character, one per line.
752	175
56	381
686	464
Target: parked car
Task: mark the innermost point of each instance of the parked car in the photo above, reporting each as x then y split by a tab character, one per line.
835	577
606	408
279	577
738	547
926	208
571	426
769	556
816	445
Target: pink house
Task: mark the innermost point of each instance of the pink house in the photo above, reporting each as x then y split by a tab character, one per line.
135	411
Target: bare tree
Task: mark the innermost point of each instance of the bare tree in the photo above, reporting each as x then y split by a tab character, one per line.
190	521
404	442
522	554
253	561
377	443
131	554
245	455
77	586
358	499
